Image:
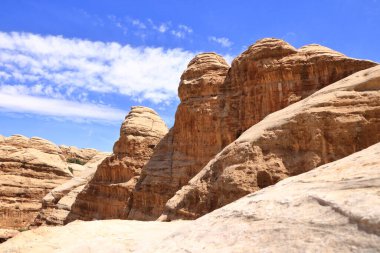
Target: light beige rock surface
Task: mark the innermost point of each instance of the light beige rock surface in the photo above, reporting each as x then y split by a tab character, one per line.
332	123
329	209
29	169
111	236
218	103
334	208
6	234
108	194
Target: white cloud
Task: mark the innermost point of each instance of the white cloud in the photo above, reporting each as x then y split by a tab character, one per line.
185	28
138	24
143	73
223	41
17	100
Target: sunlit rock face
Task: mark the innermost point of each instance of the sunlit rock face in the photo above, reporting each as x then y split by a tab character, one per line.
29	169
334	122
109	193
219	103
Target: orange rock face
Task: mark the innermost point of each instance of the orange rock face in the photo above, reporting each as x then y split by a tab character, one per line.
108	194
334	122
219	103
29	169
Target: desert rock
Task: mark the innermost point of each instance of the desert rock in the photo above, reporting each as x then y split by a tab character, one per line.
29	169
108	194
336	121
218	103
333	208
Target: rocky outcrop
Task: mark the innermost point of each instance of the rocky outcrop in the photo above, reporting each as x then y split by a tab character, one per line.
218	103
108	194
78	155
190	143
6	234
56	205
336	121
331	208
29	169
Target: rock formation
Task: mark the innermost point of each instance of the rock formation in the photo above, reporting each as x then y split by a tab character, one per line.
108	194
336	121
331	208
56	205
192	141
219	103
29	169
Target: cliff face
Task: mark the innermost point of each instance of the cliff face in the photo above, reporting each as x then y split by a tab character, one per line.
108	194
29	169
219	103
336	121
191	142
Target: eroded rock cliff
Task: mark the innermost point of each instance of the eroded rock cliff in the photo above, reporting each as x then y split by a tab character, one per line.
108	194
218	103
336	121
29	169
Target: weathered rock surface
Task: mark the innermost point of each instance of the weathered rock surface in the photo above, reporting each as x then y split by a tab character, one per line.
218	103
334	208
331	208
332	123
82	155
91	236
6	234
192	141
56	205
108	194
29	169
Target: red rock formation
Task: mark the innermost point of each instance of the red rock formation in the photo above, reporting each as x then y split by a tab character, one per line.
335	122
108	194
216	107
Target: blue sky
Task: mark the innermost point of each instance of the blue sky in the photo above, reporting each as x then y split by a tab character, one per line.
70	70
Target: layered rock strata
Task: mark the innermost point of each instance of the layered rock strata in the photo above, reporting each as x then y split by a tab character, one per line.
336	121
330	208
29	169
56	205
108	194
218	103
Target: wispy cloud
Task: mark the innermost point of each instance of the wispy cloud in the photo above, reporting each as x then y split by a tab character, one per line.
54	72
12	100
223	41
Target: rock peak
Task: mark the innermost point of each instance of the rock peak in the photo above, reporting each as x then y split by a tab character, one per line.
270	48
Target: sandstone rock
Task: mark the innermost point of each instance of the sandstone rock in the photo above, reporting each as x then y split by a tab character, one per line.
218	103
56	205
108	194
333	208
190	143
6	234
78	155
336	121
91	236
330	209
29	169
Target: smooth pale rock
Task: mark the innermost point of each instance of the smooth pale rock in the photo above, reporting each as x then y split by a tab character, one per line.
334	208
29	169
219	103
336	121
111	236
108	194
